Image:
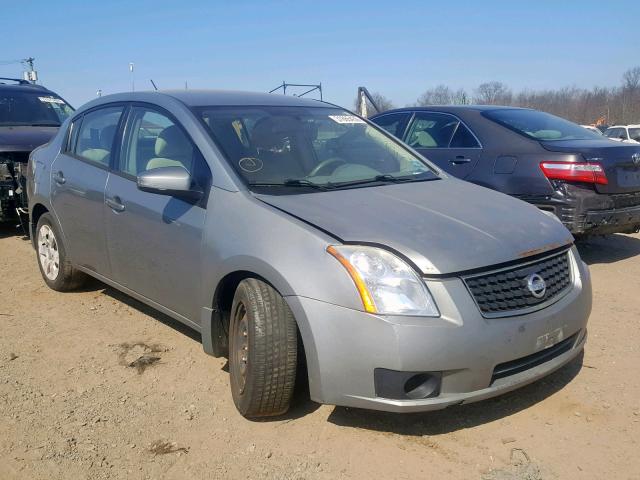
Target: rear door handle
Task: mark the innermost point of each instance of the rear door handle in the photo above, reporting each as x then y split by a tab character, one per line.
459	160
58	177
115	204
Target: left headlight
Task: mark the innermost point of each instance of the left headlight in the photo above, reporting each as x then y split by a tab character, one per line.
387	285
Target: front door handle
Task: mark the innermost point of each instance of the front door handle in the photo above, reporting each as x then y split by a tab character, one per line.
459	160
58	177
115	204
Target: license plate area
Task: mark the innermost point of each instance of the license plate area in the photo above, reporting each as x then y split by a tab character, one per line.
628	177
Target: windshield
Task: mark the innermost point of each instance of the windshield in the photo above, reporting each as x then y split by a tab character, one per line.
539	125
38	108
315	147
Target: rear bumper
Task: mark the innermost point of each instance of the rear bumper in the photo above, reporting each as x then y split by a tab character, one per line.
584	211
345	347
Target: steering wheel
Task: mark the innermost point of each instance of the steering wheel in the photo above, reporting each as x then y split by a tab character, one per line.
325	164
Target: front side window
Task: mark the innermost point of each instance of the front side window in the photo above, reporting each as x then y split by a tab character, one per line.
612	132
96	132
393	123
311	147
41	109
634	134
155	141
539	125
432	130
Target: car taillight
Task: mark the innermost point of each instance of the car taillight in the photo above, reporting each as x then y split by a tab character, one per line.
589	172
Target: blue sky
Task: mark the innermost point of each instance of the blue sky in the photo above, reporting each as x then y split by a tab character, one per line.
398	48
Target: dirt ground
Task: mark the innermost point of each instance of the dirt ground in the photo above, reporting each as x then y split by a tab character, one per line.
94	385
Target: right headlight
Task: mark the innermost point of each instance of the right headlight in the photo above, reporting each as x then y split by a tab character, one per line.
386	284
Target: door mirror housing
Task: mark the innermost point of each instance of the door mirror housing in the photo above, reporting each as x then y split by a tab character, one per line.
174	181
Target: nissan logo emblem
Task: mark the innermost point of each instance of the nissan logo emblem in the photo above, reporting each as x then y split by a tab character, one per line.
536	285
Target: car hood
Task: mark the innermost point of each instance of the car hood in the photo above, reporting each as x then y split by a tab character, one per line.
24	138
442	226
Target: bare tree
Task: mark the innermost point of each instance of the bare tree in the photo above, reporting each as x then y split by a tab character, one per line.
493	93
440	95
631	79
382	102
460	97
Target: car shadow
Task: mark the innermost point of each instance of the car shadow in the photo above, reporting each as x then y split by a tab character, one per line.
458	417
608	249
301	405
94	285
10	230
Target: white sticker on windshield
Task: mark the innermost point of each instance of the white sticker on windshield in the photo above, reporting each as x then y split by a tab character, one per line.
50	100
346	119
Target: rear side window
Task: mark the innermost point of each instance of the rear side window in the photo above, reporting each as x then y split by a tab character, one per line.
393	123
93	140
463	138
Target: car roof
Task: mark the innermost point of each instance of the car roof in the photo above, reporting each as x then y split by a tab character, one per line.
22	87
452	108
202	98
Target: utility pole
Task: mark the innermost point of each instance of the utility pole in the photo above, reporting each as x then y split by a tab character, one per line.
31	75
133	85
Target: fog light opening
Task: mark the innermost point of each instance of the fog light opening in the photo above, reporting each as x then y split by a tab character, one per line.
421	385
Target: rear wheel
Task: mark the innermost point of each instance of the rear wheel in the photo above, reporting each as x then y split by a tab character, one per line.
262	351
56	270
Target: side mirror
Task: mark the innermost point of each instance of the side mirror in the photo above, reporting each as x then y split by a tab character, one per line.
174	181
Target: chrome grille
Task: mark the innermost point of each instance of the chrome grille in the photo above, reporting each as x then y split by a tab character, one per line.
505	292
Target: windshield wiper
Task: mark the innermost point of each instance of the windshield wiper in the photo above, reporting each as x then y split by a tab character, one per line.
44	124
384	178
291	182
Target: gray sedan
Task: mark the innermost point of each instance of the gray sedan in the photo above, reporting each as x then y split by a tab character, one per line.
298	237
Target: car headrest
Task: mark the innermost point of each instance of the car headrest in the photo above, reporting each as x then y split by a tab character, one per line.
172	143
106	136
270	132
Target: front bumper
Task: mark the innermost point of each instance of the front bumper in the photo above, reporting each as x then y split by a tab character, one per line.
344	347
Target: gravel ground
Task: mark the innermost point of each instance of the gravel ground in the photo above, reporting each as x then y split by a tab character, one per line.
94	385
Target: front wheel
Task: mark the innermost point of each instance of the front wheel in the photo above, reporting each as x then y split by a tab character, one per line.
262	350
56	270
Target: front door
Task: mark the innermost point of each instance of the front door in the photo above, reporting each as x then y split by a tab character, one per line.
78	178
154	240
446	141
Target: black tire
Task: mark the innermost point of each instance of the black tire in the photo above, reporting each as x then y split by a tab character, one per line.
263	350
67	277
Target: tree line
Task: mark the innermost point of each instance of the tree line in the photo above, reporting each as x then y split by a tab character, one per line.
599	105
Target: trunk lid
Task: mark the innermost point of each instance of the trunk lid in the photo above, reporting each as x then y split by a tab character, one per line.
620	161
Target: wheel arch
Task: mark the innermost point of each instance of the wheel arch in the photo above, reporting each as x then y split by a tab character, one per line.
215	319
36	212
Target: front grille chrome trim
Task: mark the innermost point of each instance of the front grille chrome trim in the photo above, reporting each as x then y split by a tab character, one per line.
534	308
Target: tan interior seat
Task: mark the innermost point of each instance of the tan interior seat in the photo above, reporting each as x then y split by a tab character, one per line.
423	139
172	149
101	153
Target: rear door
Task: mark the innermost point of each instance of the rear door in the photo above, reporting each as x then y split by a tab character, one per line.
154	240
79	176
446	141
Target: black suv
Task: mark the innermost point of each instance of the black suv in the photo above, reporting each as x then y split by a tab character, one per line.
591	183
30	115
